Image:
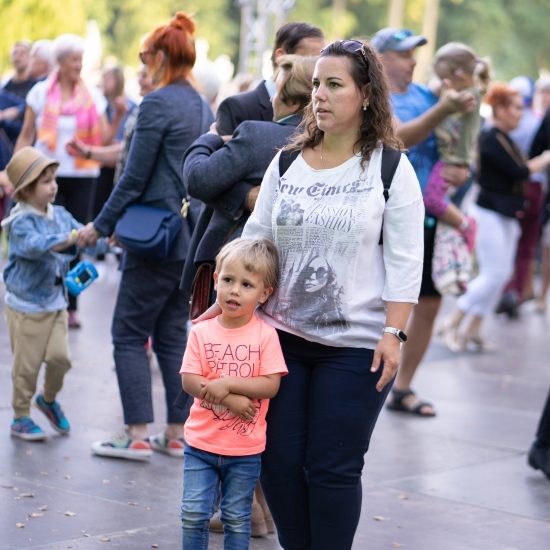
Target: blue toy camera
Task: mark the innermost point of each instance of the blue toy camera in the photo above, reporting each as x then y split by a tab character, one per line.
80	277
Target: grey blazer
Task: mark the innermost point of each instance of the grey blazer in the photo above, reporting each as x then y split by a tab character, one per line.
221	176
169	120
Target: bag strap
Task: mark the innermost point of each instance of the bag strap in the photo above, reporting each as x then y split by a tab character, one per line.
390	161
286	159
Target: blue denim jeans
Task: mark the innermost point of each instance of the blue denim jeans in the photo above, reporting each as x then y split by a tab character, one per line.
150	303
319	427
203	475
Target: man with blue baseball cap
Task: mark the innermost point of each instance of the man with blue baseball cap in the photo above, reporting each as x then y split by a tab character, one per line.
417	111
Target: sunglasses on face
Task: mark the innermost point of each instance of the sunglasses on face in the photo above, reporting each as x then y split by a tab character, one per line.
353	47
143	55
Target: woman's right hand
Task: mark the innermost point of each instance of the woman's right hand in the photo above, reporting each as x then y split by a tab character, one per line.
76	148
87	236
213	311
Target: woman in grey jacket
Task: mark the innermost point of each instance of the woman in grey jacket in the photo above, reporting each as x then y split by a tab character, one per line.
225	172
149	301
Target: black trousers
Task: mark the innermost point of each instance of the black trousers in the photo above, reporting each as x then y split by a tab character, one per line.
75	194
543	433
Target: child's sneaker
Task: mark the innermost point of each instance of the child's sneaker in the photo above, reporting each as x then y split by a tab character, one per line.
172	447
25	428
54	414
121	446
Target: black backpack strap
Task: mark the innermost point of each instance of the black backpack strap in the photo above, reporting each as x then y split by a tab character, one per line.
390	161
286	159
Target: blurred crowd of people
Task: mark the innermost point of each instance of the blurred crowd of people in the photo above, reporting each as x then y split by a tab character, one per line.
465	212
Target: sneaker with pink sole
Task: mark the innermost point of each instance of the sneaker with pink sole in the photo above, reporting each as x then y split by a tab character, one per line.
121	446
172	447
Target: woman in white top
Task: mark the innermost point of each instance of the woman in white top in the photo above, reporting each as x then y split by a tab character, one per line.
326	215
58	109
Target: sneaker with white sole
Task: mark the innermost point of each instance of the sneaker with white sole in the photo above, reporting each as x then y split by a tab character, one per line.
54	413
121	446
25	428
172	447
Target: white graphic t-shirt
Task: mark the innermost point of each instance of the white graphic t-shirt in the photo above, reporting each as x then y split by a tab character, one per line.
335	276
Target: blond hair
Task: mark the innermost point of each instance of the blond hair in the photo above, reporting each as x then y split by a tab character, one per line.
296	83
259	256
456	56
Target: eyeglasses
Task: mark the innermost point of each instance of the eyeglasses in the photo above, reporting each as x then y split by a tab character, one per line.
143	54
353	47
397	36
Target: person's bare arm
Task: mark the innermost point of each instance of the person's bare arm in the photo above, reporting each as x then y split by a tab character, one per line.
388	348
255	387
417	130
71	240
538	163
11	113
240	405
107	155
26	136
452	216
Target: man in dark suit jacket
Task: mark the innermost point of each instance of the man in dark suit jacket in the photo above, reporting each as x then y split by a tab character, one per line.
295	38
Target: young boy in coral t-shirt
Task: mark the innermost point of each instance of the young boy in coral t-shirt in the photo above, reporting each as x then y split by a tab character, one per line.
232	366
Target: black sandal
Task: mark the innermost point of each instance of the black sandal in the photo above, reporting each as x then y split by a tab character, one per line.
396	403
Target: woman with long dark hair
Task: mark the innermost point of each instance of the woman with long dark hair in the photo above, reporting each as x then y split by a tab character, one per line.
326	215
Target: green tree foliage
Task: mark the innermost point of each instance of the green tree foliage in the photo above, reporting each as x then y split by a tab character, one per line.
34	19
124	24
514	34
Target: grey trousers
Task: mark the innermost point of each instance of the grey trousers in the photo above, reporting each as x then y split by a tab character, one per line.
150	303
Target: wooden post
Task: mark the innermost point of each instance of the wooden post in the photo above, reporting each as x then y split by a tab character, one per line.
338	13
429	30
395	14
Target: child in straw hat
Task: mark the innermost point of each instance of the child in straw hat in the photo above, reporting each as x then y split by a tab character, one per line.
42	241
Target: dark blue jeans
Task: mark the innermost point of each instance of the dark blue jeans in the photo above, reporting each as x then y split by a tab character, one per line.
319	427
150	303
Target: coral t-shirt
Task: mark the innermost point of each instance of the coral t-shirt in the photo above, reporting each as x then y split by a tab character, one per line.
213	351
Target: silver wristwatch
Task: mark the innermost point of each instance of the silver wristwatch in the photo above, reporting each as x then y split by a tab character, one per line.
396	332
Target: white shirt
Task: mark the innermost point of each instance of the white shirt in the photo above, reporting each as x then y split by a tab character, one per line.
335	277
66	129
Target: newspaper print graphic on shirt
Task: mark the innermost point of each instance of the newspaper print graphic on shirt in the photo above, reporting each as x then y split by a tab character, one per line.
318	230
240	361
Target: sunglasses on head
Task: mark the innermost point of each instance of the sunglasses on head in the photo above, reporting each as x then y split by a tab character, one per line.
353	47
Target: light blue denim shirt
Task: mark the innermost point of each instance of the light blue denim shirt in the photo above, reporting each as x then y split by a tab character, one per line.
33	268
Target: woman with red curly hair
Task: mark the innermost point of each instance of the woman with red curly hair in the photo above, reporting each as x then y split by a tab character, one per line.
149	301
502	175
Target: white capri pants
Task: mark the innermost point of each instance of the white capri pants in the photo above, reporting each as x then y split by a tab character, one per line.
496	244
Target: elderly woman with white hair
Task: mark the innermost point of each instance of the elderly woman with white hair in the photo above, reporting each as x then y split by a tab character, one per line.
58	109
41	60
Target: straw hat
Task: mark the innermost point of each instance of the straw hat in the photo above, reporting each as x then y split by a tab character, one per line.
26	166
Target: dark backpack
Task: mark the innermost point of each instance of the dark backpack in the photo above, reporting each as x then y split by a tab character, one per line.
390	160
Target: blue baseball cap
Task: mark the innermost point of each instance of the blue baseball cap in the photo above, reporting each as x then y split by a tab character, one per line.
397	40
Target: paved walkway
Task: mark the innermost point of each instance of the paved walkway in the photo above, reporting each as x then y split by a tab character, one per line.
458	481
